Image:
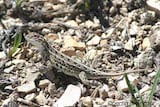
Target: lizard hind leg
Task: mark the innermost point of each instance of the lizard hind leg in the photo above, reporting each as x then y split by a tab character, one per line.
84	79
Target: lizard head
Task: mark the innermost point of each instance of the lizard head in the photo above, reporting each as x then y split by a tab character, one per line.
37	40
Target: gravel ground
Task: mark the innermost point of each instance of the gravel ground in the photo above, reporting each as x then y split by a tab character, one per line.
120	35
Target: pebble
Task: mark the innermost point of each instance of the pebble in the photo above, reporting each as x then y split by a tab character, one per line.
103	43
72	23
70	42
2	55
134	29
44	83
90	55
87	101
103	91
26	88
122	85
94	41
9	69
145	59
154	5
30	97
70	97
146	43
51	89
41	99
68	51
98	102
130	44
144	89
51	36
147	17
152	74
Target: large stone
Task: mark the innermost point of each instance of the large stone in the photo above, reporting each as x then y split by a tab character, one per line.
27	88
70	97
94	41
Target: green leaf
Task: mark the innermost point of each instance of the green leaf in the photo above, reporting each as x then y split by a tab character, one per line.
19	2
141	99
156	79
131	90
17	43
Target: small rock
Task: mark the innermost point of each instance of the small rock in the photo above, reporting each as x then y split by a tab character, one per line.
109	102
108	33
41	99
116	45
146	43
70	97
145	59
103	91
147	17
90	55
144	89
46	31
44	83
134	29
155	37
9	103
9	22
30	97
152	74
26	88
103	43
98	102
80	54
122	85
68	51
87	101
16	61
154	5
31	76
63	1
9	88
72	23
118	95
51	89
51	36
91	24
70	42
130	44
2	55
94	41
9	69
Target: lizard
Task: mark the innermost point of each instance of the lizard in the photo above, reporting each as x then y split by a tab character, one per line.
66	64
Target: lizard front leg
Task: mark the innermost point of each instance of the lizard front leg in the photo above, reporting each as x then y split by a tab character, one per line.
84	79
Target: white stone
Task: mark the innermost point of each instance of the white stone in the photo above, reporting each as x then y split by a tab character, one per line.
103	92
122	85
2	55
90	55
130	44
30	97
87	101
72	23
146	43
152	74
144	89
41	99
154	5
70	97
26	88
44	83
94	41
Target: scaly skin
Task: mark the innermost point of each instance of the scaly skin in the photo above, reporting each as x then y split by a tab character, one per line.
66	64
